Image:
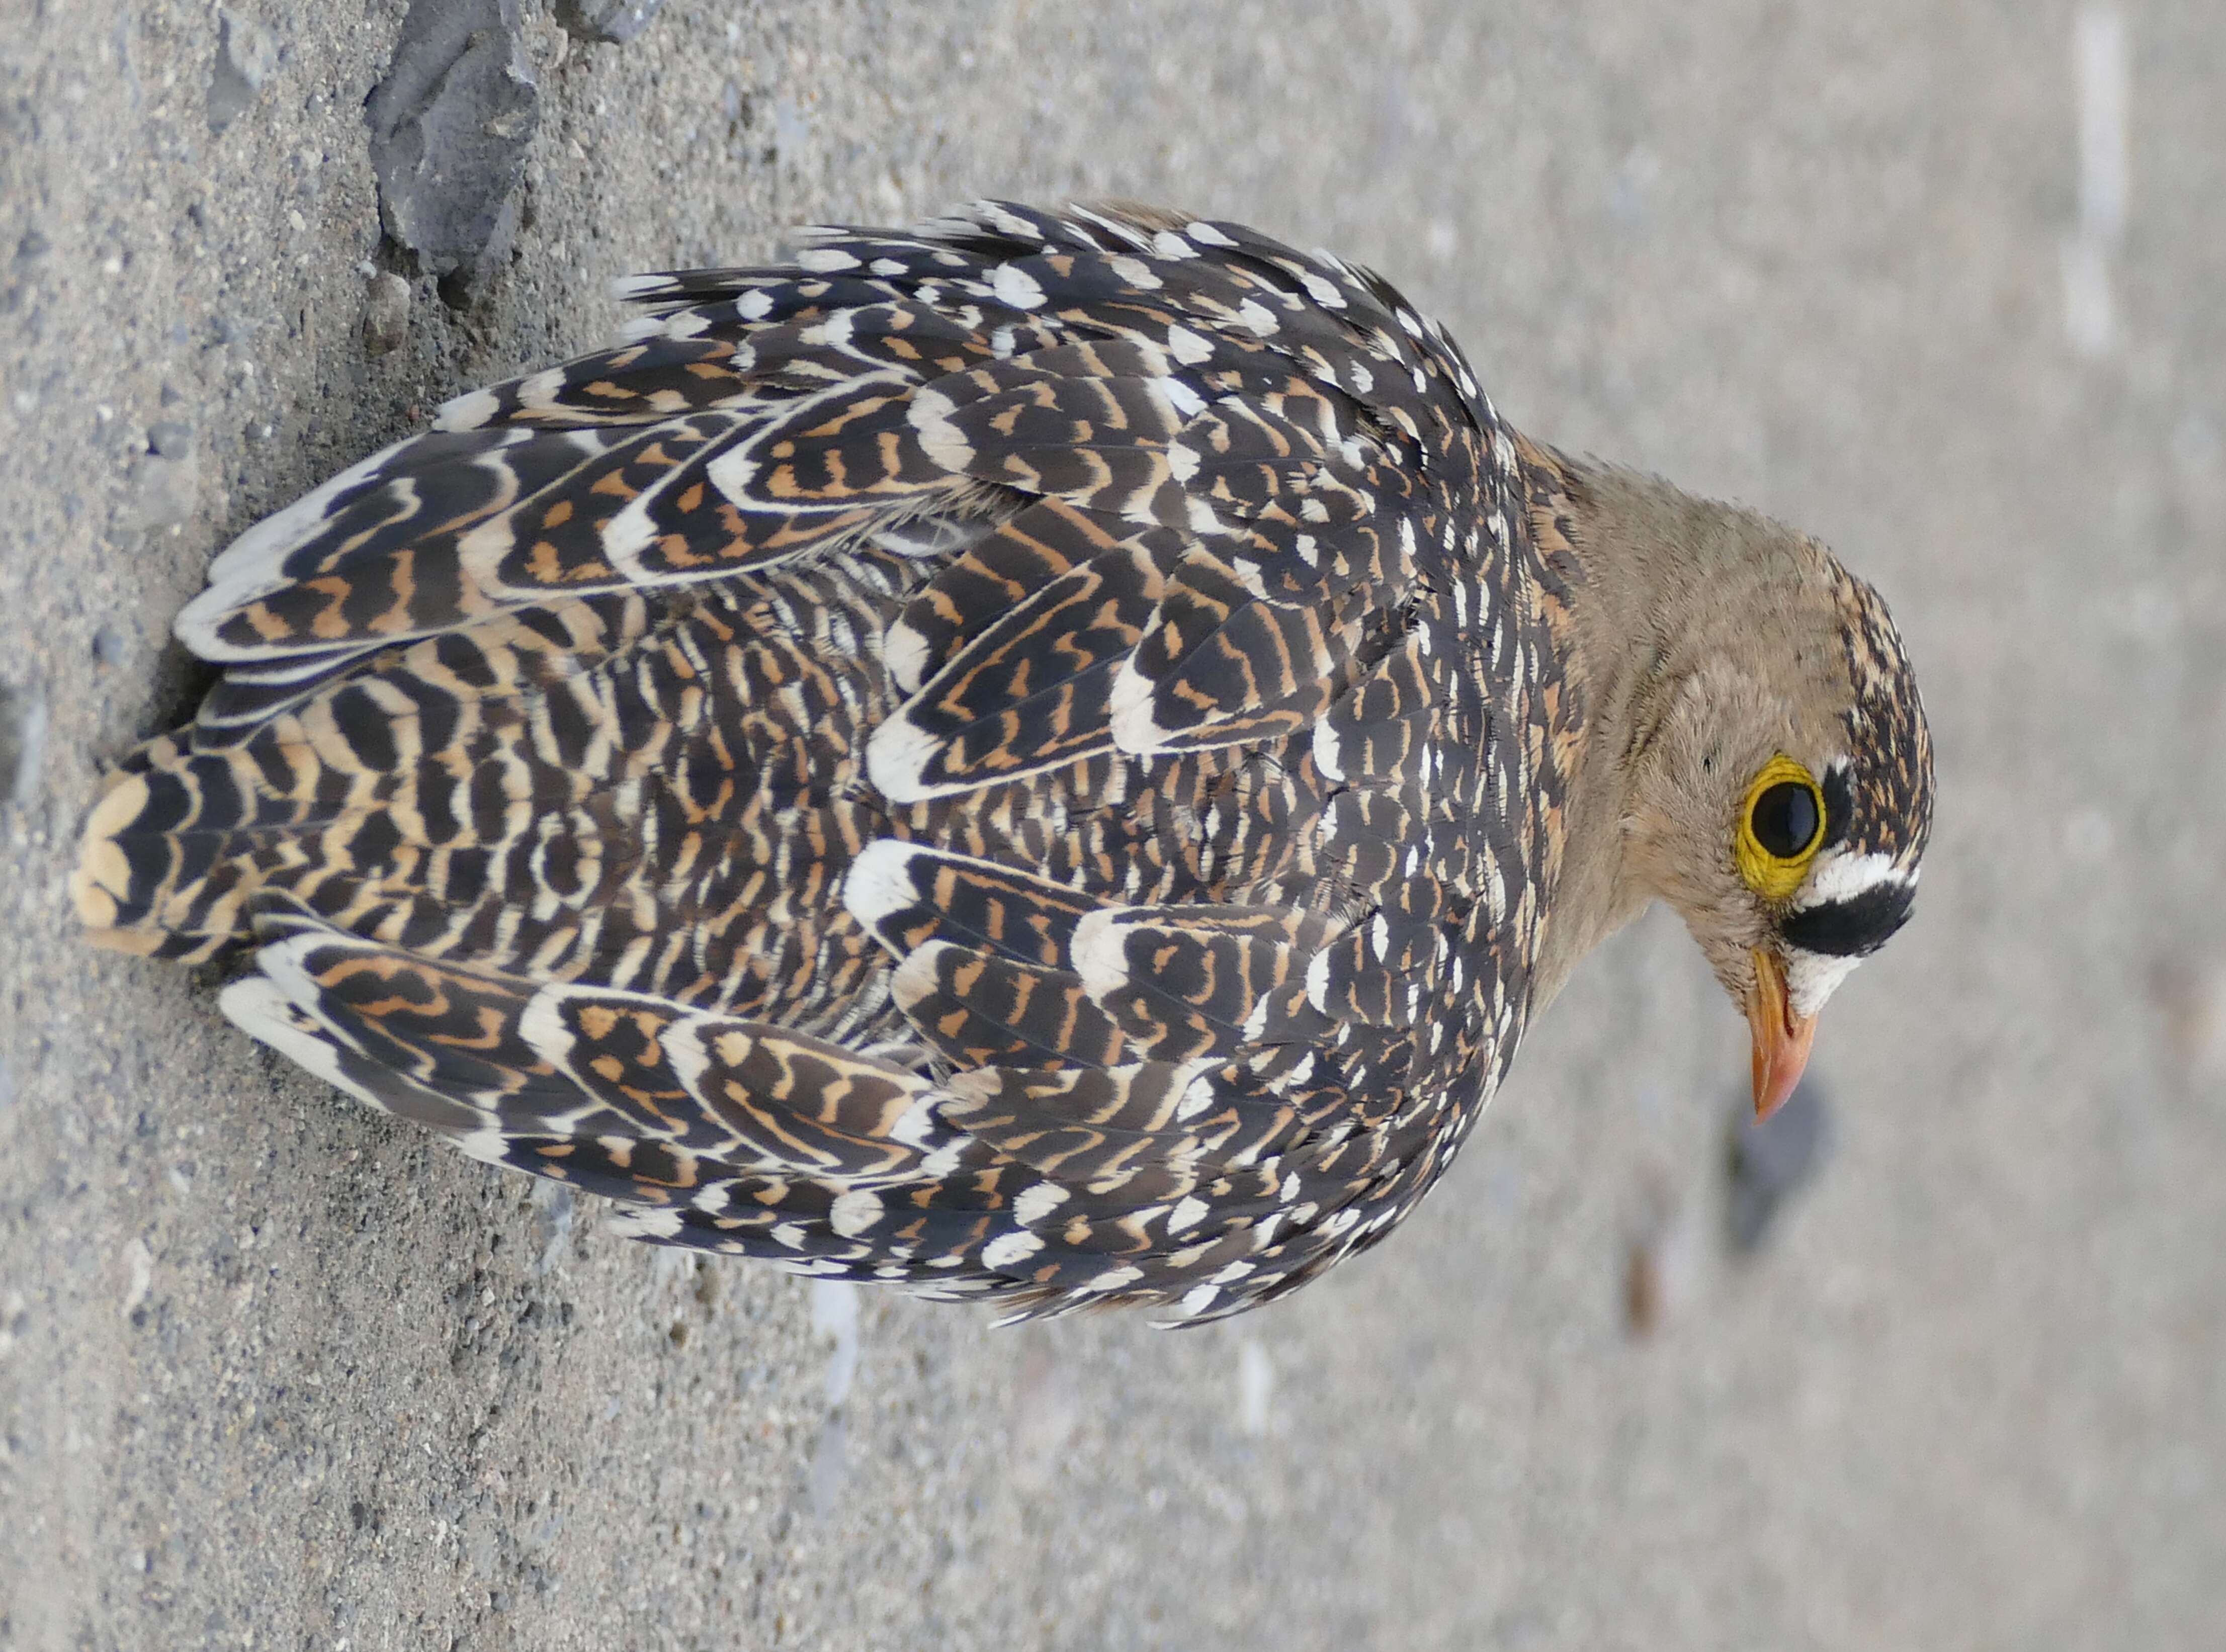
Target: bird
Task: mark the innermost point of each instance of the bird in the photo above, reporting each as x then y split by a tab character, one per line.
1045	758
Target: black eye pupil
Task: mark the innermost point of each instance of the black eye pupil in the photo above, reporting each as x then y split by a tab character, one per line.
1784	819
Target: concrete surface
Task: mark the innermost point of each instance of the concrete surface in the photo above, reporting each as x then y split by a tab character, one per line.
274	1373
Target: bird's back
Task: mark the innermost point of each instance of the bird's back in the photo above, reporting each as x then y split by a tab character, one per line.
1021	758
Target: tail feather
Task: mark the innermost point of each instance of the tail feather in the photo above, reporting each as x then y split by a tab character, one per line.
157	873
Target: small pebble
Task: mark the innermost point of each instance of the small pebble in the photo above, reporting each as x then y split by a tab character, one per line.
1772	1160
386	315
109	646
172	438
139	1262
168	490
615	21
1661	1271
451	124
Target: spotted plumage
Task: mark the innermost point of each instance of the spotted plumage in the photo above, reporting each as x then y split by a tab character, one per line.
1030	757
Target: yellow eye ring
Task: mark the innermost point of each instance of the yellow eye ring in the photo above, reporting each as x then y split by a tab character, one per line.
1781	827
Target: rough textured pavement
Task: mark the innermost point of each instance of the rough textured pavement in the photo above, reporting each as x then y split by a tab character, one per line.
276	1373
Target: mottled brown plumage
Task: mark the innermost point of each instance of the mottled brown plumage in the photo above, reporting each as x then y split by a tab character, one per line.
1030	758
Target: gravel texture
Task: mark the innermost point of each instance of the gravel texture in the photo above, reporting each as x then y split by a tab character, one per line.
275	1372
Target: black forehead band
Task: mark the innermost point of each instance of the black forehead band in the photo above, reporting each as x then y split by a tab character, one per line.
1851	927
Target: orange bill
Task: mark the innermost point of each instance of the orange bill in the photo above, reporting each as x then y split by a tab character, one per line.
1781	1037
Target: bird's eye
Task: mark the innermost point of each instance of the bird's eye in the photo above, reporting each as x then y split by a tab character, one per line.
1783	819
1780	828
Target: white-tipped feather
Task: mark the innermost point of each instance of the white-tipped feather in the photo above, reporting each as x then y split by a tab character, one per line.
854	1212
1131	705
638	1222
880	881
929	415
261	1005
1007	1249
896	755
247	569
467	412
905	655
1039	1202
629	289
1189	1211
1325	753
1187	346
1097	952
541	1024
1186	402
918	1124
1016	286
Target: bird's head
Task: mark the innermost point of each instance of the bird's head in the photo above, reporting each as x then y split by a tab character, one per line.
1781	790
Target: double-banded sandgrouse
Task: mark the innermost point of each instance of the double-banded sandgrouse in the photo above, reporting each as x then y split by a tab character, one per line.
1046	756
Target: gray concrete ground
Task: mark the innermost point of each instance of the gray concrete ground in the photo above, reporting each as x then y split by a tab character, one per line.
275	1373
